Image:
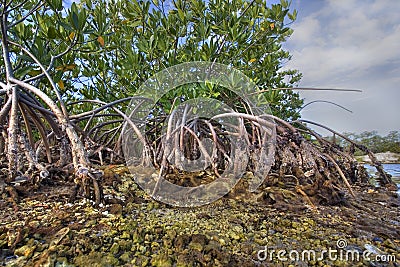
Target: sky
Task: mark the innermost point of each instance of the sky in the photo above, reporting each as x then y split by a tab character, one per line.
349	44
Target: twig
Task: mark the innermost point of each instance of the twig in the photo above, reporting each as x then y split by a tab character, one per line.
341	174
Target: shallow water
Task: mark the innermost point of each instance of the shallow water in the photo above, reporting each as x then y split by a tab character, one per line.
392	169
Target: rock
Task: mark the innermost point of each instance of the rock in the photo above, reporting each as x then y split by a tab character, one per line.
354	248
184	261
198	238
96	259
377	239
34	224
125	245
181	242
140	260
372	249
196	246
125	257
388	243
125	235
161	260
116	209
114	248
26	250
4	253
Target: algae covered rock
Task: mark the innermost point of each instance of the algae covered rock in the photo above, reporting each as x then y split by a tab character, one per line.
96	259
161	260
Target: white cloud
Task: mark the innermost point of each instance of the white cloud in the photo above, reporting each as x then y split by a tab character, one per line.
350	44
306	30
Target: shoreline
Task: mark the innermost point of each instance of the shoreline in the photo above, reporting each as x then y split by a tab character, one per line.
384	157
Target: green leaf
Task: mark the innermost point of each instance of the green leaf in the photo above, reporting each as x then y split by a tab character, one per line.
134	24
66	26
34	72
51	32
82	19
75	21
293	16
58	5
181	14
142	45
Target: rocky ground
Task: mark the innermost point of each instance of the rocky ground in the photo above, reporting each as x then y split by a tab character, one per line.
241	229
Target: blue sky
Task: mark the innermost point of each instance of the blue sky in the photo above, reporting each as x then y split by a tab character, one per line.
349	44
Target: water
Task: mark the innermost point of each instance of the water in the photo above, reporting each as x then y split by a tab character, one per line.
392	169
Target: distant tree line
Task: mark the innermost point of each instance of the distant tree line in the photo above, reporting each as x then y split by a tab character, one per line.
375	142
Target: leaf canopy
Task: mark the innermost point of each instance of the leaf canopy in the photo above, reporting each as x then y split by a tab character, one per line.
105	50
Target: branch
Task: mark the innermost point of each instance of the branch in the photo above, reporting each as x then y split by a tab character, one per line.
246	116
78	151
341	174
64	110
105	105
12	152
123	115
53	59
4	42
324	101
386	178
39	125
34	9
306	89
5	109
17	6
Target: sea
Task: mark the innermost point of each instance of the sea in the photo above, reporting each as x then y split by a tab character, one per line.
392	169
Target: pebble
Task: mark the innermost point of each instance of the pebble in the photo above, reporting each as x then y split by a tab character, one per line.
377	239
